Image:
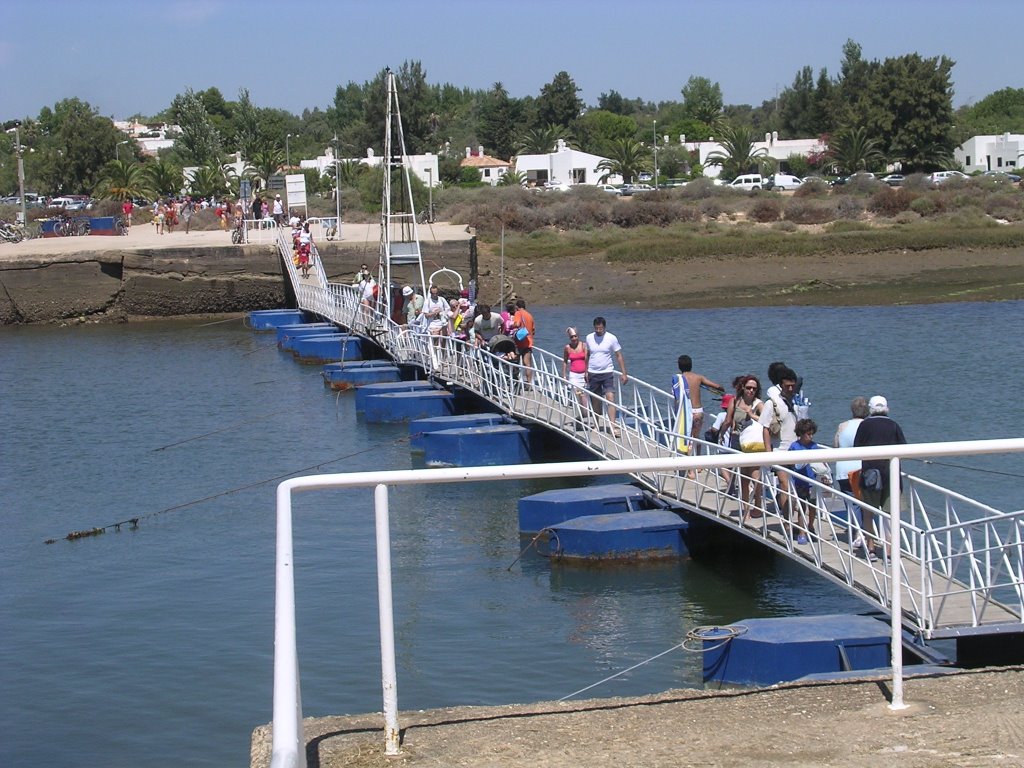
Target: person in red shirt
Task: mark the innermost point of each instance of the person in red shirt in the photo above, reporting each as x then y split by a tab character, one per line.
126	208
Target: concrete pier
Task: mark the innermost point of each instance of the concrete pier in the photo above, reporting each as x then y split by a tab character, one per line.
967	719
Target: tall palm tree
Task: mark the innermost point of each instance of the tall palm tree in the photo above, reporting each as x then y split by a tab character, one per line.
737	154
122	180
540	141
209	180
854	151
266	162
512	179
164	178
626	158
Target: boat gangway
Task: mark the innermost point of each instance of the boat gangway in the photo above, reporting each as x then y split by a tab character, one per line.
961	569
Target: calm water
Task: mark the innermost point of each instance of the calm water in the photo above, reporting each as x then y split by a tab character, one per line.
154	647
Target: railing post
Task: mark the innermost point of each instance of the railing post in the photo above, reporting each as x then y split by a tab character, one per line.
389	677
896	585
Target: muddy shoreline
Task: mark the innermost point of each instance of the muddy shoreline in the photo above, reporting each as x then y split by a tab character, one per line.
144	277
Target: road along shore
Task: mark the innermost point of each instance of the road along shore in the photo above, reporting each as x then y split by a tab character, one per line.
143	274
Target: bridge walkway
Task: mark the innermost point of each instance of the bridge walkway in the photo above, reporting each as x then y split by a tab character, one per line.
962	563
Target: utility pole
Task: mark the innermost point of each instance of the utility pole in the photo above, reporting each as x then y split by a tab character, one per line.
337	187
655	154
21	172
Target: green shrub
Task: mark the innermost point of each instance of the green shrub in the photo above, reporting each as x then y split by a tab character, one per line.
785	226
925	206
888	201
906	217
700	189
805	212
849	225
766	209
848	207
813	188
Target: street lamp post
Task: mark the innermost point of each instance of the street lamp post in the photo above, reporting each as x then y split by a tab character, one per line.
655	154
287	152
117	149
21	172
430	195
337	188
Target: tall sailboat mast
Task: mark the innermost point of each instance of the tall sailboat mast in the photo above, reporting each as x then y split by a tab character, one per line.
399	237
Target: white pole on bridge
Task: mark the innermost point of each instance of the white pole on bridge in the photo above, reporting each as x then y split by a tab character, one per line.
895	586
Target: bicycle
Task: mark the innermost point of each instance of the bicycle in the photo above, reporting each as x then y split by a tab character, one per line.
332	229
11	233
238	232
120	225
67	226
426	215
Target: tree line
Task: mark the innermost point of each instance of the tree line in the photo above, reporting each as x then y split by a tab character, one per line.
870	113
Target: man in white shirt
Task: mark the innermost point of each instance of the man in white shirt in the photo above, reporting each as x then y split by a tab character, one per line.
781	404
278	211
602	347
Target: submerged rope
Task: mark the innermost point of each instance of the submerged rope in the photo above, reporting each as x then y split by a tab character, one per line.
133	522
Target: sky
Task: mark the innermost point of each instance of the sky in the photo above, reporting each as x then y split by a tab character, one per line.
127	58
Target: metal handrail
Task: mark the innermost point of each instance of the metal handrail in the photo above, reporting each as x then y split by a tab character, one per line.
288	736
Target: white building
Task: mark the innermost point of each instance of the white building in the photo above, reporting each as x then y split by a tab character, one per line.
423	166
991	153
776	148
491	168
564	165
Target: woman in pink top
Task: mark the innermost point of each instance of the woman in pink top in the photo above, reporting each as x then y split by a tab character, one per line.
574	364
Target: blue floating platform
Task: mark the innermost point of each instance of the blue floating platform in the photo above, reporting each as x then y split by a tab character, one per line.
329	348
368	391
780	650
650	535
345	376
544	510
272	319
286	334
406	406
420	427
481	446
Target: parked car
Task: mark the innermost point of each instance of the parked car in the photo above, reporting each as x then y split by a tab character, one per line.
859	176
751	182
894	179
610	189
782	182
635	189
942	177
556	186
1002	176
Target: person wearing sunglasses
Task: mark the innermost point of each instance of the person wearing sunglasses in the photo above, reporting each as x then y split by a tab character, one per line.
574	367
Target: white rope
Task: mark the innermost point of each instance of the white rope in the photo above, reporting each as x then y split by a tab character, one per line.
697	633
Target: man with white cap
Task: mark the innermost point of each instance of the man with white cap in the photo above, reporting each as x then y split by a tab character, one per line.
278	211
876	429
413	306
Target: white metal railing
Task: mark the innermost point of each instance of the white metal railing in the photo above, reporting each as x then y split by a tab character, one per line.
288	738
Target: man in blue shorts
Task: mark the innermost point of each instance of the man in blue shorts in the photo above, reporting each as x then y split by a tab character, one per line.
602	347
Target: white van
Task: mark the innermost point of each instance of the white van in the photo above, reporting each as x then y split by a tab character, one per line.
783	181
748	182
